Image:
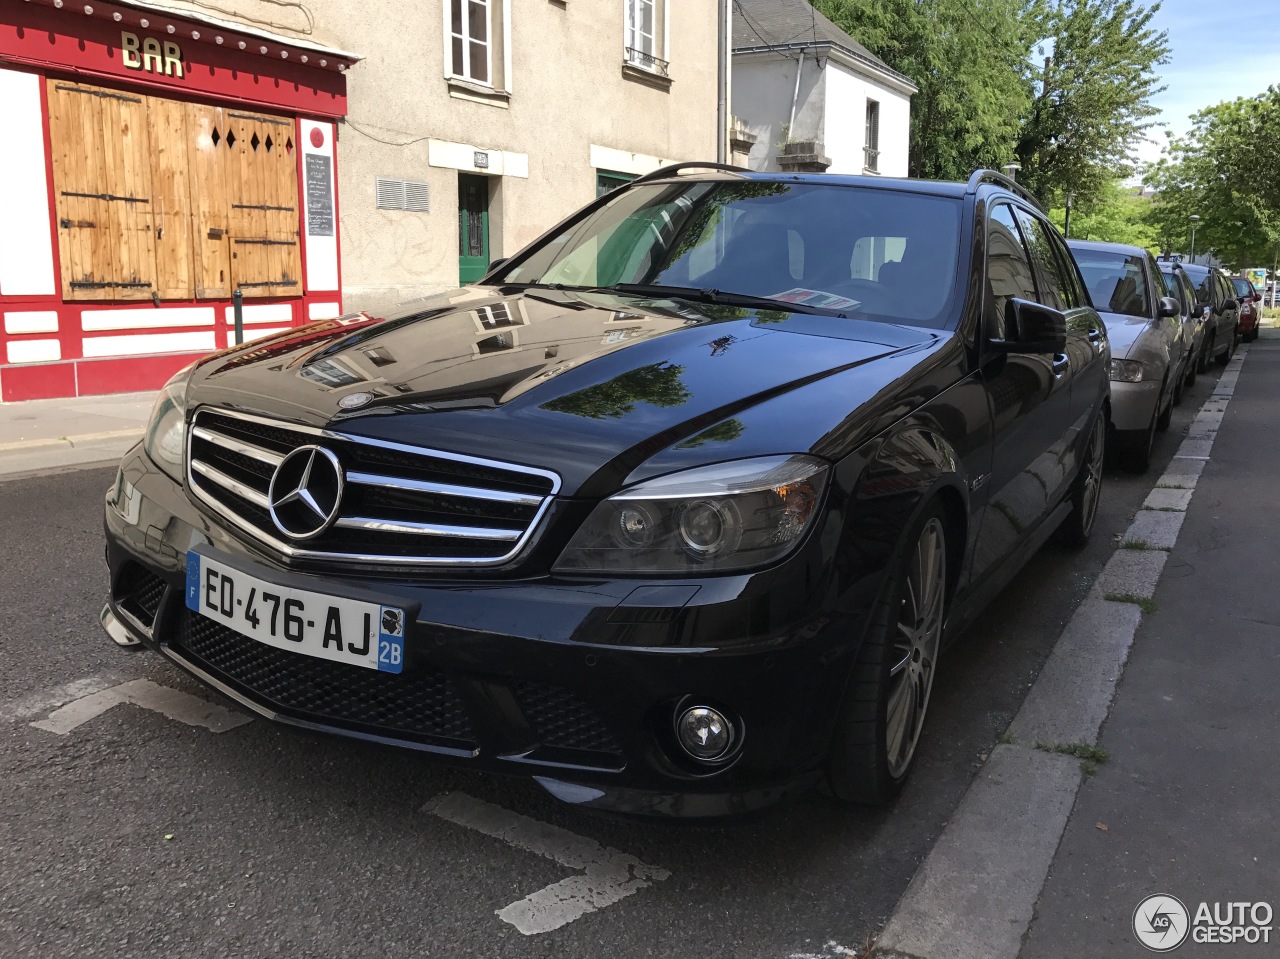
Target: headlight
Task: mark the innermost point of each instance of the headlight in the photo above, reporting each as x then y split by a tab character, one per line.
1126	371
729	516
166	437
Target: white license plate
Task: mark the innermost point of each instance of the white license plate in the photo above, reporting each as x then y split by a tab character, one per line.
327	627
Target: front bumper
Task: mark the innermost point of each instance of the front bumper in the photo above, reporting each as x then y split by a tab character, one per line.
1133	405
574	683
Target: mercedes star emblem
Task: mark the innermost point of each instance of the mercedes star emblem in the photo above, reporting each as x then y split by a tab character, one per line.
305	492
355	400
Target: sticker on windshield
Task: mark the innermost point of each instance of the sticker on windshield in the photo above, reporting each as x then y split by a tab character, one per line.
815	298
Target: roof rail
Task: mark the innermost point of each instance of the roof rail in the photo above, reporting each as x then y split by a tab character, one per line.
1009	184
689	165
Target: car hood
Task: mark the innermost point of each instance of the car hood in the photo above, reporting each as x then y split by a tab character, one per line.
1124	331
569	381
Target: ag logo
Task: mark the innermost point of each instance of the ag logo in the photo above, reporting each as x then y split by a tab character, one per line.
1161	923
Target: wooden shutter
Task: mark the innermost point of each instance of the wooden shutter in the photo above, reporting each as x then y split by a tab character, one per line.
102	184
262	185
210	156
171	198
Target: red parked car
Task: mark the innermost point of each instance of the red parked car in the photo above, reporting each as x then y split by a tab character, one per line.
1250	307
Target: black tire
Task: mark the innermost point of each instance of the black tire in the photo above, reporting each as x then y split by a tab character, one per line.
1206	353
1136	448
1086	490
1179	385
1225	356
1166	415
1193	367
860	767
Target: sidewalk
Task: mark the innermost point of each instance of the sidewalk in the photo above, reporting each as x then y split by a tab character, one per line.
1187	803
76	433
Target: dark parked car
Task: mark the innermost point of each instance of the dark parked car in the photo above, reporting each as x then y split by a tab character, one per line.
1195	342
1250	301
673	511
1217	299
1148	350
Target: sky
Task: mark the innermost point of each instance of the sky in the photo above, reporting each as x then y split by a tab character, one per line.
1219	50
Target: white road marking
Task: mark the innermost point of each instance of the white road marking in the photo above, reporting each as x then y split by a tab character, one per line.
609	875
171	703
42	702
831	950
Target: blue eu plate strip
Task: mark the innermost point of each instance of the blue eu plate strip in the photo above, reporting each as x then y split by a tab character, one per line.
193	581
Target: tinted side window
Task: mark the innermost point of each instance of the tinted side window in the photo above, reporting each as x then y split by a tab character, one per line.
1008	268
1177	290
1053	290
1162	288
1206	293
1226	292
1070	272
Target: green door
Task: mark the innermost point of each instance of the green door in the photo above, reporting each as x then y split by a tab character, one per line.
473	227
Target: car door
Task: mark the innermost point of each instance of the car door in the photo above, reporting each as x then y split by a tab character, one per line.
1170	327
1029	397
1062	286
1229	322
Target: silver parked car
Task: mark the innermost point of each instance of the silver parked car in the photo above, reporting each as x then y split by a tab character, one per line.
1148	350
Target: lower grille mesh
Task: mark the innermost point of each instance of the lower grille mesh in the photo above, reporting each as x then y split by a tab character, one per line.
418	703
562	719
139	592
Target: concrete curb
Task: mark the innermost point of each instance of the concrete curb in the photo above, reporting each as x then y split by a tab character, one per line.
975	894
69	442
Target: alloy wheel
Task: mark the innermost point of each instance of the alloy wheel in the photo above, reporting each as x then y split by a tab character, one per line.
916	642
1092	490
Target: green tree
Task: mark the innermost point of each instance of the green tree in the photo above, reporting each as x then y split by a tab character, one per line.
1118	214
969	59
1092	102
1227	172
657	384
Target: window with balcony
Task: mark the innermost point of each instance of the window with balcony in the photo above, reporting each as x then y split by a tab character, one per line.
477	59
871	151
645	41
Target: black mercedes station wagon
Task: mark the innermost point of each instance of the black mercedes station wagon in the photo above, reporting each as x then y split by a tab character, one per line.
673	511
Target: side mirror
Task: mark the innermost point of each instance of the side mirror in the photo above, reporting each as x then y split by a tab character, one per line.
1041	329
1169	307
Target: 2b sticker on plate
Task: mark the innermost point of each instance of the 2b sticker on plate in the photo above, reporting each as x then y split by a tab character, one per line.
314	624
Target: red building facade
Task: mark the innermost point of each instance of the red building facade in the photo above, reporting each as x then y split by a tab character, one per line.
153	164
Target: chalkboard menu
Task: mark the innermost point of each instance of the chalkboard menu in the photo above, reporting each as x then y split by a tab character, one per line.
319	187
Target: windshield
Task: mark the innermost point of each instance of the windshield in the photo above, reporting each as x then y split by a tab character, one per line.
871	253
1116	282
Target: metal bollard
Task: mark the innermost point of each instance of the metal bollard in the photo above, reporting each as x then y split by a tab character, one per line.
237	306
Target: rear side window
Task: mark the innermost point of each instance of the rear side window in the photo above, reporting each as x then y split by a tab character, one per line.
1008	267
1054	288
1116	281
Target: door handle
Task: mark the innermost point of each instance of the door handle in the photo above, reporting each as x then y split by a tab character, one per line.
1060	363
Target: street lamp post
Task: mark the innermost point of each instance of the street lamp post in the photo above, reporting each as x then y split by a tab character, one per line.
1194	220
1011	170
1066	223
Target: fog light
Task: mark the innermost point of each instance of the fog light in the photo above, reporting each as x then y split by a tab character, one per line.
704	733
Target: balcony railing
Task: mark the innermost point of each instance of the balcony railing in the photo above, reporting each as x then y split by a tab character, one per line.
871	159
648	61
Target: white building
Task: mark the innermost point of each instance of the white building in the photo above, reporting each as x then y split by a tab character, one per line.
815	99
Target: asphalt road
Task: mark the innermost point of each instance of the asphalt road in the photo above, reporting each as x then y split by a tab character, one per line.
292	844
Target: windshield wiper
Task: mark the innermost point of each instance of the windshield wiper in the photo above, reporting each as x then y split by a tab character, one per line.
721	297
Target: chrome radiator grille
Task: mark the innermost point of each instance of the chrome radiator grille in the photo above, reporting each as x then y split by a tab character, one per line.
391	504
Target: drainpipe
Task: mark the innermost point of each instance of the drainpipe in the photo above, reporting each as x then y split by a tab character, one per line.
795	95
722	82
